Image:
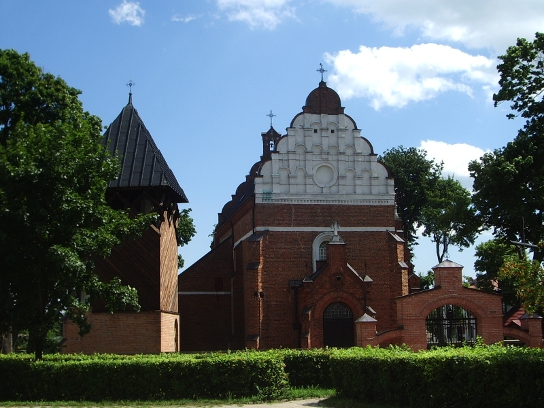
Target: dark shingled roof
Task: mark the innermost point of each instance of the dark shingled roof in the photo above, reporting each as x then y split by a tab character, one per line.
142	163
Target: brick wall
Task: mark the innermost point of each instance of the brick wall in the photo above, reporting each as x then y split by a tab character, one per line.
267	264
205	308
169	332
414	308
304	215
123	333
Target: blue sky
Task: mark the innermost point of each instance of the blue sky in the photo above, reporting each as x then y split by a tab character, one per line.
207	72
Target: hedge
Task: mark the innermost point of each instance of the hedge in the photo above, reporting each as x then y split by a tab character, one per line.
307	368
482	376
465	377
144	377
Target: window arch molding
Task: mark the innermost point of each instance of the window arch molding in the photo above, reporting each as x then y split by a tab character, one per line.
322	238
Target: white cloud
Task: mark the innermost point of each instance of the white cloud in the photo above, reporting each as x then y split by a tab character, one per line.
177	18
493	24
396	76
129	12
455	158
257	13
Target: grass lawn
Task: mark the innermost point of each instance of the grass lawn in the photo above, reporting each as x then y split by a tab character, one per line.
330	400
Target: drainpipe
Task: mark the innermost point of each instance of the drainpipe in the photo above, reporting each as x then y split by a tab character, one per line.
295	284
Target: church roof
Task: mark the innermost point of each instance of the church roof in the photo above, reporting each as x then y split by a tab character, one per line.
142	163
323	100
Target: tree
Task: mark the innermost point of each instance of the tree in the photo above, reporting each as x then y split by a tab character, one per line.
184	232
449	218
426	282
415	177
527	277
490	257
53	217
509	182
522	82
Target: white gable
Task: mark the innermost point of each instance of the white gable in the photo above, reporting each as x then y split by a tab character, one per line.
324	160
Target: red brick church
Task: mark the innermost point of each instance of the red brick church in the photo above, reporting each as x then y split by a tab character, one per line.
309	253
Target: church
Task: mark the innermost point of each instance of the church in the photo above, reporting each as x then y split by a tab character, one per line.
309	242
308	253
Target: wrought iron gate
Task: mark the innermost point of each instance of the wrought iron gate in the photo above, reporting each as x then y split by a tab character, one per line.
450	325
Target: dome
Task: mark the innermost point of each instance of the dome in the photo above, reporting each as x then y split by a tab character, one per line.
323	100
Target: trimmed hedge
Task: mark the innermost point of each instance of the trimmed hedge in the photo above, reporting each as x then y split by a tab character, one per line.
144	377
482	376
493	376
307	368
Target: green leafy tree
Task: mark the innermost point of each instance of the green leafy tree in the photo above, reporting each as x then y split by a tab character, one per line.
426	282
185	231
448	217
527	277
509	182
53	217
415	178
490	257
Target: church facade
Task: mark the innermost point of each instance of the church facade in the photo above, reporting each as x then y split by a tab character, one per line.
310	253
309	243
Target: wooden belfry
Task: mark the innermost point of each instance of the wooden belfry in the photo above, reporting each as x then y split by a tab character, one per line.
145	184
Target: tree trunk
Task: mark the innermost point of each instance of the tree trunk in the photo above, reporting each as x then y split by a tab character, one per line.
7	343
38	353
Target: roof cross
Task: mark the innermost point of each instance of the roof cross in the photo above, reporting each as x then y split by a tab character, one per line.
322	70
130	84
270	115
335	237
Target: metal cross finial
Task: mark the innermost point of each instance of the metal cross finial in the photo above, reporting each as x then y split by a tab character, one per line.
270	115
130	84
322	70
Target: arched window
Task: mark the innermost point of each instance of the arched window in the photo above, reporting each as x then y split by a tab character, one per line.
450	325
337	311
323	251
319	249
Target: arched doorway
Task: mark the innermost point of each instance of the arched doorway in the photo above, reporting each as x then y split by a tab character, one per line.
450	325
338	326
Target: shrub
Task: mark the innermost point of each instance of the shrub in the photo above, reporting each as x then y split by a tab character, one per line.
149	377
307	368
449	377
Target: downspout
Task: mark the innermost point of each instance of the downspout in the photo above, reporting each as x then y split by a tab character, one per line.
297	321
295	284
253	214
232	289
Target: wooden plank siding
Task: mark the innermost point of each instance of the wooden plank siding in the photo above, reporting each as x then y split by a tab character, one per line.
168	265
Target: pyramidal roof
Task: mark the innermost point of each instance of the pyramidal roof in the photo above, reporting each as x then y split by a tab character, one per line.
142	163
